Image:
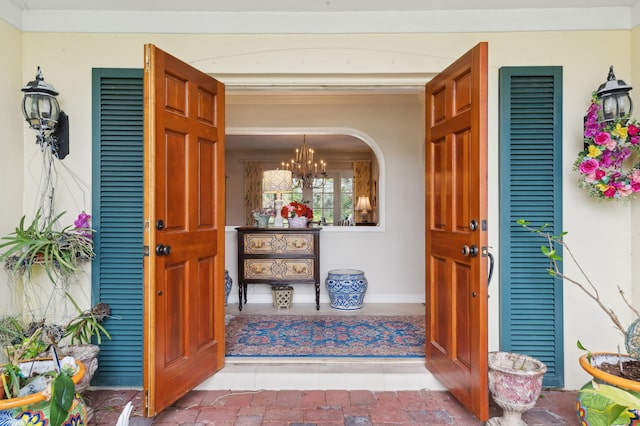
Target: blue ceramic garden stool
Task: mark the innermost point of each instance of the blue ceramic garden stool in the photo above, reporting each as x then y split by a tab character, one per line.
346	288
228	282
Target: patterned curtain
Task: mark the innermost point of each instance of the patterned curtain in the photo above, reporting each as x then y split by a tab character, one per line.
361	180
252	190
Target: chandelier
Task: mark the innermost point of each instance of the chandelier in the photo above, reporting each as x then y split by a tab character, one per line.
305	171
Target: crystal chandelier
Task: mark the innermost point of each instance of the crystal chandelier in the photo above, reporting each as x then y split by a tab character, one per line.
306	173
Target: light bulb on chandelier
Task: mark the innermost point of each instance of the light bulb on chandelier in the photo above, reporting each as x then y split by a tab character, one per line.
306	172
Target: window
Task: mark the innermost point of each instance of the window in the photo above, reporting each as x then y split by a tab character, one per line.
346	198
332	203
322	202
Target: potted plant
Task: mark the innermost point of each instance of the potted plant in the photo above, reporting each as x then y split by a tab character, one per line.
515	382
596	407
79	336
262	216
40	242
42	390
85	332
298	214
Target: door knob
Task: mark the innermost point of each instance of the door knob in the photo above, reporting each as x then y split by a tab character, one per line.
162	250
470	251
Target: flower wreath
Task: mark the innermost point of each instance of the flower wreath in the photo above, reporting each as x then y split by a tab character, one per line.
607	146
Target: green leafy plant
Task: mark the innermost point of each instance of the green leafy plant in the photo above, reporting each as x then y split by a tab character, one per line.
62	385
87	324
608	404
59	252
551	252
62	394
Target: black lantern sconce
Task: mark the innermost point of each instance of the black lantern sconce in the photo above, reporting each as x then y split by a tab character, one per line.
614	99
42	111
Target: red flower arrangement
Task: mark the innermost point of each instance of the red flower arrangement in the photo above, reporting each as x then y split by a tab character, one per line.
295	209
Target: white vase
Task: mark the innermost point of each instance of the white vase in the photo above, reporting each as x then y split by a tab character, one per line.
298	222
515	382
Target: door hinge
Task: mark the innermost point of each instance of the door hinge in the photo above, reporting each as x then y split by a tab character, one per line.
145	251
146	401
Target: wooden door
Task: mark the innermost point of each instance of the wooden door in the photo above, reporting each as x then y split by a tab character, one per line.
456	229
184	228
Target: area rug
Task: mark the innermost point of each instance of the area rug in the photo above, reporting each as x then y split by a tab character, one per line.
325	336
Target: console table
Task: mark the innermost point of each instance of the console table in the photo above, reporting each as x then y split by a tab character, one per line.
278	256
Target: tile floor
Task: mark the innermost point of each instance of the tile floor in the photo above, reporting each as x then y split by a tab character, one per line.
306	392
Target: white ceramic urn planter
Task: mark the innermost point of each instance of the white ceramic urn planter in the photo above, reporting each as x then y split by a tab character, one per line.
515	382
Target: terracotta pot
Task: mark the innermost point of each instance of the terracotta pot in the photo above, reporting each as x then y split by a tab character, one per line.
34	408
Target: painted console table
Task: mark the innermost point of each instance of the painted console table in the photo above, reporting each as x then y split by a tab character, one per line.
279	257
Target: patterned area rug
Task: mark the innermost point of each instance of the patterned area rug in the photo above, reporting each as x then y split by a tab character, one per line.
326	336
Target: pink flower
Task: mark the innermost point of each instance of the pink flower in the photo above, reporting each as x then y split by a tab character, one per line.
610	192
625	190
591	129
633	130
602	138
589	166
83	224
610	144
591	178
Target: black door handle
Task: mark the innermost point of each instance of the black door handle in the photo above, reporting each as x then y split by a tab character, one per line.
162	250
470	251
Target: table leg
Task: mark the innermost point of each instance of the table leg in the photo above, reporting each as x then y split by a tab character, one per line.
317	296
240	296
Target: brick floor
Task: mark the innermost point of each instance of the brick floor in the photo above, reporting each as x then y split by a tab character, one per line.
315	408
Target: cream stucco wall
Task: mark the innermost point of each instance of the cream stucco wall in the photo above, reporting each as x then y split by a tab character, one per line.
11	141
392	256
635	208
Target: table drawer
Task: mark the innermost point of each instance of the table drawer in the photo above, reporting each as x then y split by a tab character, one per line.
289	243
279	269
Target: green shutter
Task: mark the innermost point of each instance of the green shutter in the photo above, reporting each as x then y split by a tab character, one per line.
118	196
530	189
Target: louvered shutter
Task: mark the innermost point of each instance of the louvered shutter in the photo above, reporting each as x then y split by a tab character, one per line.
118	172
530	189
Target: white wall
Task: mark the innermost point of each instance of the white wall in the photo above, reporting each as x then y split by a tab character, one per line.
599	233
394	125
14	129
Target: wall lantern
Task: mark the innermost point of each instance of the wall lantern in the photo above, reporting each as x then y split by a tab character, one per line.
42	112
614	98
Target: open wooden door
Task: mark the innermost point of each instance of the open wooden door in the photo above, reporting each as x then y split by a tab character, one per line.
456	229
184	228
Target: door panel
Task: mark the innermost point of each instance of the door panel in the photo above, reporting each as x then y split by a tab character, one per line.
184	211
456	214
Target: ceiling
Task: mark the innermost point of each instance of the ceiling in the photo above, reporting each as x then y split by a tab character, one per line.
311	5
321	143
318	16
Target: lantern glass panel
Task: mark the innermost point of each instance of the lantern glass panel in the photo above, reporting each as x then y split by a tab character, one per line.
617	105
41	110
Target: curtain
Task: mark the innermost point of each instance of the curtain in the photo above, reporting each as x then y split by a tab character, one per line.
252	190
361	180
